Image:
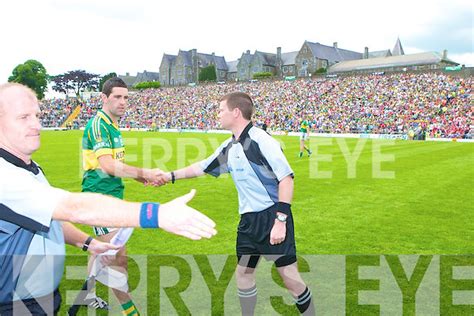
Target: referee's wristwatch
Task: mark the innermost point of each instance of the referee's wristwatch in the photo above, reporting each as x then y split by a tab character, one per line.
281	217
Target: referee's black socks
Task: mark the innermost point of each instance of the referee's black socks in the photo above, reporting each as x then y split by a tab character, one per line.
304	303
248	300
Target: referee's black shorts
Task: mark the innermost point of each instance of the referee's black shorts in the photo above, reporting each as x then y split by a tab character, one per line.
253	240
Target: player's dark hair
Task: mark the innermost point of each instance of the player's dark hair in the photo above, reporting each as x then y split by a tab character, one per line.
112	83
240	100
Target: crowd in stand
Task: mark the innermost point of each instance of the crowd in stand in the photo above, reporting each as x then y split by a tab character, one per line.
55	111
438	104
89	109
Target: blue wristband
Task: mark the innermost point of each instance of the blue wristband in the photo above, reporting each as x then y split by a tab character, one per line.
149	215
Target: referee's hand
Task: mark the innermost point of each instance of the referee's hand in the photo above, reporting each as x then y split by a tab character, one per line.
178	218
278	233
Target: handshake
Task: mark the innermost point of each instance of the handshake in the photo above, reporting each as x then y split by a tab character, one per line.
155	177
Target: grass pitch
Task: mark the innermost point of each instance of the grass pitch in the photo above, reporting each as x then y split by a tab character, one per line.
397	197
425	206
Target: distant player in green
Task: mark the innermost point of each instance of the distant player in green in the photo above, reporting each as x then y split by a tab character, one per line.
103	155
304	129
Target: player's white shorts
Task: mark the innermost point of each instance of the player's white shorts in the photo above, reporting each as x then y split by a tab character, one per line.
304	136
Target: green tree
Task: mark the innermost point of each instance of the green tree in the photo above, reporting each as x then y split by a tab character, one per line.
32	74
321	70
105	78
147	85
208	73
262	75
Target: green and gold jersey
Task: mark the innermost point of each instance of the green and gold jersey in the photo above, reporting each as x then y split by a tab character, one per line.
101	137
304	126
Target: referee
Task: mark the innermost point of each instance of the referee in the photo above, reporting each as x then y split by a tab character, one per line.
264	181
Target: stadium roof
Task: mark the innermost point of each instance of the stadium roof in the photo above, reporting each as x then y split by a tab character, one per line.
331	53
391	61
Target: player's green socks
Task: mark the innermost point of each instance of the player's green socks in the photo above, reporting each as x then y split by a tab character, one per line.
129	309
301	154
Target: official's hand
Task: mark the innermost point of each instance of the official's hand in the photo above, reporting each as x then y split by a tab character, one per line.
97	247
178	218
154	177
159	177
278	233
146	177
165	177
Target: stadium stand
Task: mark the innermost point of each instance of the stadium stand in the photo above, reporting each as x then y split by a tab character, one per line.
434	104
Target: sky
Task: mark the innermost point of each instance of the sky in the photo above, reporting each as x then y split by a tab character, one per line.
102	36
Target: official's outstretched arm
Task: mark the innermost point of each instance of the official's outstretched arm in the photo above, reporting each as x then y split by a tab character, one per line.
175	216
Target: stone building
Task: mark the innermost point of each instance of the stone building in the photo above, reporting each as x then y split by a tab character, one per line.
184	68
313	56
144	76
287	63
243	66
232	70
147	76
279	64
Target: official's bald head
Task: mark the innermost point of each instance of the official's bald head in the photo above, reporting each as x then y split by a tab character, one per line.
19	120
9	92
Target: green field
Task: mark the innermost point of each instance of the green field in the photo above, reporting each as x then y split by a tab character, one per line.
425	206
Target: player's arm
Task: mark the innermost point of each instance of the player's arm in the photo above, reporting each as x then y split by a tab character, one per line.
117	168
102	147
174	217
76	237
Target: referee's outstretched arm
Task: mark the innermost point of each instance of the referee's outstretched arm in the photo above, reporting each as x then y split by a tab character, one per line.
191	171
